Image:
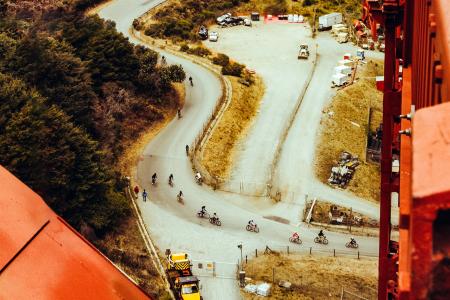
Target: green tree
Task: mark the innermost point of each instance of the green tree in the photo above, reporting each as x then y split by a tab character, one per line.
13	96
43	148
110	55
3	7
51	67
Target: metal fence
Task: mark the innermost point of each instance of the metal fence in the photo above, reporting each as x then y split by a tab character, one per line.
217	269
307	250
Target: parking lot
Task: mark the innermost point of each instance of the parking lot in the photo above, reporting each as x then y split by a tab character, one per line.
271	49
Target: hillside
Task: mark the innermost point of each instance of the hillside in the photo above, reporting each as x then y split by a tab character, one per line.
74	95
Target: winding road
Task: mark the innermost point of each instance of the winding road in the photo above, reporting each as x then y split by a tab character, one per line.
174	225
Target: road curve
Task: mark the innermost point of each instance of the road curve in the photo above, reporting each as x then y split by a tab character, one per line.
174	225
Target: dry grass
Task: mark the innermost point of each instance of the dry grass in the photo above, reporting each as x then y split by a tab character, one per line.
351	8
218	152
314	277
126	249
338	133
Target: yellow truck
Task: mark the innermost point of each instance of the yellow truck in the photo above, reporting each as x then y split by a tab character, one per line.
183	283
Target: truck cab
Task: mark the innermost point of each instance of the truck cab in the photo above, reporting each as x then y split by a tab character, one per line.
183	283
189	288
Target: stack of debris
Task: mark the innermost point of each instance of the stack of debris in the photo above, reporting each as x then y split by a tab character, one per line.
342	173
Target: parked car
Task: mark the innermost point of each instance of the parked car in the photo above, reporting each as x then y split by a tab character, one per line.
222	18
232	21
203	33
213	36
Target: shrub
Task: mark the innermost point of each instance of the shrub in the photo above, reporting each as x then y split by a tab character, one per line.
221	60
199	51
137	24
233	69
276	7
308	2
184	48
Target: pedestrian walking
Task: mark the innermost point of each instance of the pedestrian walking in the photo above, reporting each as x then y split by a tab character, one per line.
136	190
187	150
144	195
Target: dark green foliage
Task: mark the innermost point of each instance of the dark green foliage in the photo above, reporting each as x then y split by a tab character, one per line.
221	60
184	48
3	7
52	68
43	148
7	49
110	55
199	51
233	69
308	2
137	25
13	96
84	4
182	20
73	94
176	73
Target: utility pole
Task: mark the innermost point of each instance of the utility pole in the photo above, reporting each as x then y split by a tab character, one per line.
240	247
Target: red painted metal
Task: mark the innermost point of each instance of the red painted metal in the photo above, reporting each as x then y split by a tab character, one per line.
42	257
418	39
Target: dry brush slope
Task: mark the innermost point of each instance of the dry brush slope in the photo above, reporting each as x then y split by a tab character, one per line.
218	152
314	277
344	129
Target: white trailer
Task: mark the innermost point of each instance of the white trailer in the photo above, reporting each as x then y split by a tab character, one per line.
326	21
339	80
343	70
346	62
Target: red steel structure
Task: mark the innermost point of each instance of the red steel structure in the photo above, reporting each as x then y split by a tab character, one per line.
42	257
417	78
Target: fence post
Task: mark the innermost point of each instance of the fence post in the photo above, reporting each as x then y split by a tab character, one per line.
214	269
310	250
334	252
288	250
256	252
246	258
358	254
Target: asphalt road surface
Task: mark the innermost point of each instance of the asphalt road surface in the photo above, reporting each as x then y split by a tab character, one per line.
174	225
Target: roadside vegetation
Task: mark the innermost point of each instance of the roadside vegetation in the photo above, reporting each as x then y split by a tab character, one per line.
356	276
180	20
74	95
344	127
246	98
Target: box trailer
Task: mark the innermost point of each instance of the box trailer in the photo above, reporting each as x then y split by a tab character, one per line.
339	80
346	62
343	70
326	21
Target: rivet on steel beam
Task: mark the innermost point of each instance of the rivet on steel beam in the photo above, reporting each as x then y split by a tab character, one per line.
433	29
406	132
438	73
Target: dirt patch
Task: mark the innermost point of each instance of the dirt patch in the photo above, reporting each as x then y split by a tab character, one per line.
314	277
219	150
344	128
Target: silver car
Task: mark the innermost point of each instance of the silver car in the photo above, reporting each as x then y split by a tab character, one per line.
213	36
